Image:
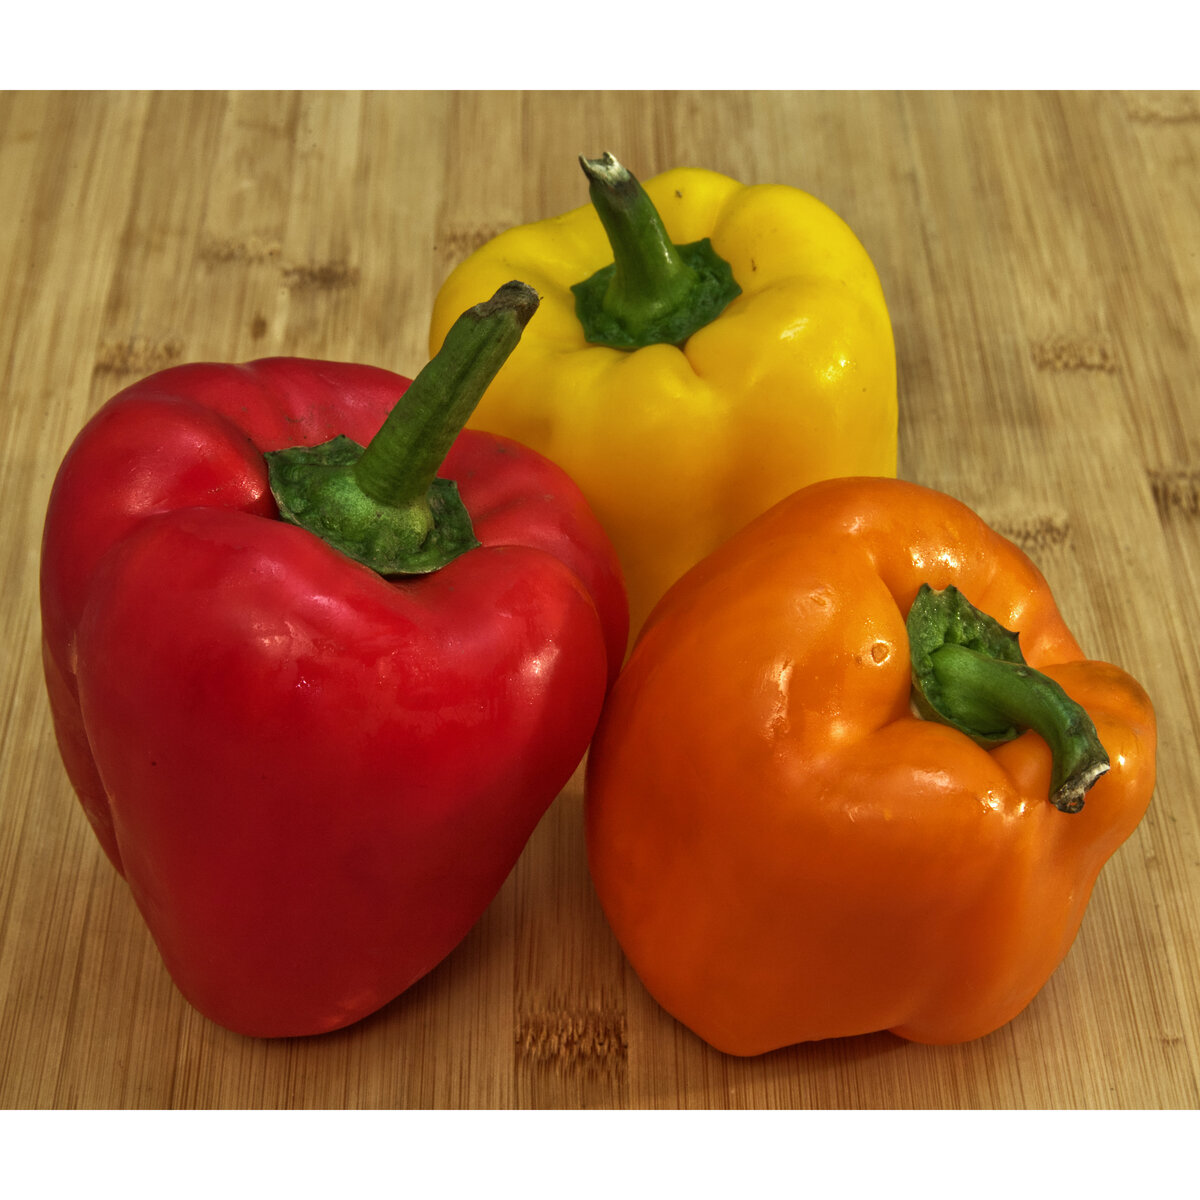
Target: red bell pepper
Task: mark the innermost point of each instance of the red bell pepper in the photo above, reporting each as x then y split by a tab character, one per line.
315	775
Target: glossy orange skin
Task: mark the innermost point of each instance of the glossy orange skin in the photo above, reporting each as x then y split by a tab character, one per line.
784	851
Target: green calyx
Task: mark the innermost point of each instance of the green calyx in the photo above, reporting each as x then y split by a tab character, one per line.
384	505
653	291
968	672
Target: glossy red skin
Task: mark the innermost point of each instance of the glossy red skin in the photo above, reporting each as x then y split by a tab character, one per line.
314	779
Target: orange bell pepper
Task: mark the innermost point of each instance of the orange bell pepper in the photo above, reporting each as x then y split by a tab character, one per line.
788	848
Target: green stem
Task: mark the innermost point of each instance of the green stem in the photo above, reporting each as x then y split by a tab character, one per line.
653	291
980	689
649	277
968	672
402	460
385	506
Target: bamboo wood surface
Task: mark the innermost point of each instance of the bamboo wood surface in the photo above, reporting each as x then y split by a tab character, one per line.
1039	256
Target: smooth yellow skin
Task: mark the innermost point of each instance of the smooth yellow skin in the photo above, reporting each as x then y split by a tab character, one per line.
676	448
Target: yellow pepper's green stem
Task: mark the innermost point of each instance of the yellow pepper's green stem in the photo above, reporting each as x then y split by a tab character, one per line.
653	291
649	278
384	505
968	672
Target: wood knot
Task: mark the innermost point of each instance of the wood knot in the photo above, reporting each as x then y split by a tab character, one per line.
1159	108
137	355
455	243
587	1038
239	250
329	276
1176	492
1074	354
1035	534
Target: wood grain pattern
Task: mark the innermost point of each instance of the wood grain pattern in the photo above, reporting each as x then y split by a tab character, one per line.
1038	252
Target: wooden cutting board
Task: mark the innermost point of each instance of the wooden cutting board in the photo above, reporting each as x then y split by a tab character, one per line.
1039	257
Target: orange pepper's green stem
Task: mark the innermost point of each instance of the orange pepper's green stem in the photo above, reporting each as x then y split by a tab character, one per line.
968	672
653	291
385	505
978	688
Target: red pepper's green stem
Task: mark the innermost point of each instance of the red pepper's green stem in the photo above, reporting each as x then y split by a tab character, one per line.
968	672
402	459
385	505
653	291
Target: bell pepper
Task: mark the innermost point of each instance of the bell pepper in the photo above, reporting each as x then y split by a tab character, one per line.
704	348
840	784
315	756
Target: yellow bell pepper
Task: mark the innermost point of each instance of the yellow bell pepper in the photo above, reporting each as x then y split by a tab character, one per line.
702	350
